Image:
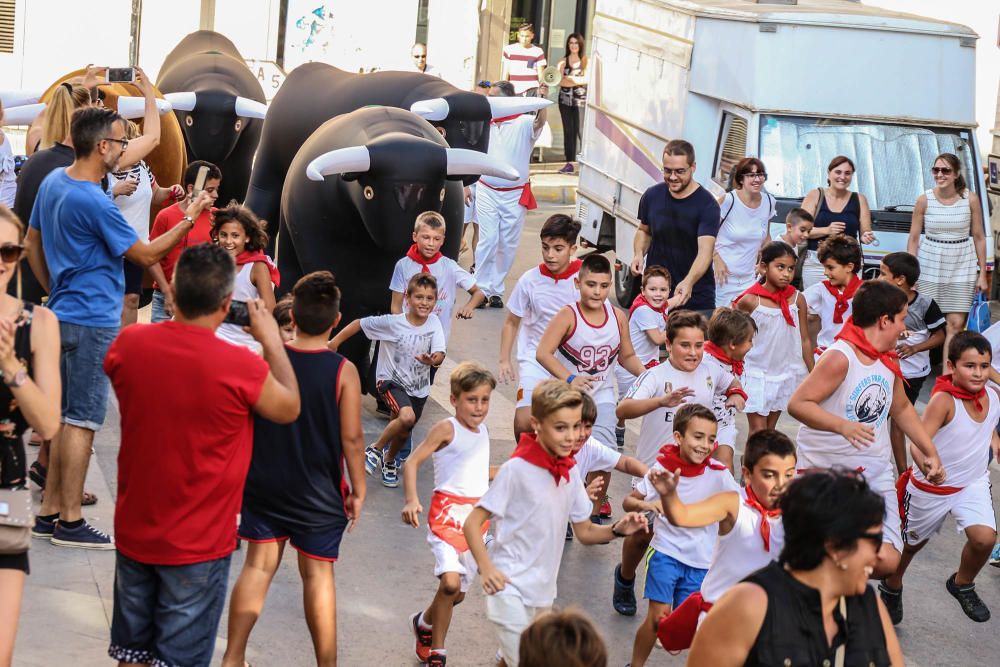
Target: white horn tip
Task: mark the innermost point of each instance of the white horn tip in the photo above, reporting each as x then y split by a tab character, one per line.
433	109
313	172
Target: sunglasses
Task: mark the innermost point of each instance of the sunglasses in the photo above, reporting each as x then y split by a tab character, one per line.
875	538
941	170
10	252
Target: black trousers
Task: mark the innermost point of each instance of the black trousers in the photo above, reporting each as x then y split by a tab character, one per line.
571	129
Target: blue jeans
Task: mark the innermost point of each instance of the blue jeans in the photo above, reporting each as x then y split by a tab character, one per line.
167	614
81	365
159	313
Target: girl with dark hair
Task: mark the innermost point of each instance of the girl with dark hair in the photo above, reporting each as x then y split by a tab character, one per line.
572	96
813	606
953	248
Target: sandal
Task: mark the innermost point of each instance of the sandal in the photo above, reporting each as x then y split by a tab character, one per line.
38	473
88	499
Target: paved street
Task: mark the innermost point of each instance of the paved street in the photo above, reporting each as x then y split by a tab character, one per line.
385	572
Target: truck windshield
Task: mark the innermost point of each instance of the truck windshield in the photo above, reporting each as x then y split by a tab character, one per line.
893	162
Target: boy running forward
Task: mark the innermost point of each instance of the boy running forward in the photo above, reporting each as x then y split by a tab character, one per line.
411	344
295	490
845	402
537	297
750	531
962	418
730	337
829	301
678	558
460	449
529	502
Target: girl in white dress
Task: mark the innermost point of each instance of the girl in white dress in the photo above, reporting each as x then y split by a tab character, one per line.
781	354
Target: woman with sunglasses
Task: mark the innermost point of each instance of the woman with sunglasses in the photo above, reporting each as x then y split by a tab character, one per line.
813	606
953	248
746	212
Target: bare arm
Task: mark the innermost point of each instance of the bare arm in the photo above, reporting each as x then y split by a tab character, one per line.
279	399
507	336
656	336
345	333
540	117
627	358
829	373
493	579
715	508
396	305
640	244
631	466
590	533
807	348
555	333
261	279
476	297
36	257
916	225
905	416
891	640
979	241
147	254
352	440
439	436
143	145
636	502
702	262
39	397
727	634
865	233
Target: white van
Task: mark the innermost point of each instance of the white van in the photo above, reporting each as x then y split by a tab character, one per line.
792	82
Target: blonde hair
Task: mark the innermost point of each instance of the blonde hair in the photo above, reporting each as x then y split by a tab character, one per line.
432	219
7	215
553	395
469	375
66	99
132	130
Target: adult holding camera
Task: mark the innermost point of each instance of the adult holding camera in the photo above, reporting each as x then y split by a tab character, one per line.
75	247
572	96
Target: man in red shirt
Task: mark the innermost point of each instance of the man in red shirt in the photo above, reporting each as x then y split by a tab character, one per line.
186	441
167	219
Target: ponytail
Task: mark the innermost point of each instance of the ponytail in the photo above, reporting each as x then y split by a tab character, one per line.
66	99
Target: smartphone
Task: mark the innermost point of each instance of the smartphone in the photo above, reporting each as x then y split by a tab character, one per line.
199	182
238	314
121	75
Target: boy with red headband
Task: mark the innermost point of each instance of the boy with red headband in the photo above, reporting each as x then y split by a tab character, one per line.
962	417
730	337
829	301
845	403
529	502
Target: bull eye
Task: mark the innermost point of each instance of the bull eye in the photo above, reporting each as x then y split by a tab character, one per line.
239	124
442	194
188	120
369	192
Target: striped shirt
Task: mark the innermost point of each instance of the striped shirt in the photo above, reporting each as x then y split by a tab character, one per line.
521	66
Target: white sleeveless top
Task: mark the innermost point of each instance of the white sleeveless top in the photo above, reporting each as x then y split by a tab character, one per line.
591	350
741	551
135	207
243	290
463	467
948	222
964	445
742	231
777	346
864	396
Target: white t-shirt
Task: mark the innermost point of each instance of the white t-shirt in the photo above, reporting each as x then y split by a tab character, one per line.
595	457
742	231
822	303
521	66
657	428
135	207
691	546
641	320
536	299
511	142
450	278
726	416
401	343
529	522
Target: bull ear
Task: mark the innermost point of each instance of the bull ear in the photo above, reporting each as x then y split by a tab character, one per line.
341	161
182	101
464	162
16	98
22	115
511	106
135	107
433	109
248	108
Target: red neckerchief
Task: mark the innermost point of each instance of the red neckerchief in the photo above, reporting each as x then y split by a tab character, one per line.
781	298
571	270
504	119
944	383
843	298
424	263
670	459
641	301
529	449
765	528
248	256
720	354
852	333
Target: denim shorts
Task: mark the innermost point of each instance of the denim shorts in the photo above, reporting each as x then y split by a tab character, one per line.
159	313
669	581
81	365
167	615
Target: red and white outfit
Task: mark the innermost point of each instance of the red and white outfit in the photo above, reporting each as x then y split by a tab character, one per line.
537	297
521	66
642	317
833	306
595	457
450	279
726	416
502	205
964	447
461	477
244	290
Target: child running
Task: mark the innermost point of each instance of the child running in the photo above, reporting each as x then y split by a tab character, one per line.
529	502
678	558
460	449
781	355
829	301
962	418
730	337
295	490
537	297
411	344
798	224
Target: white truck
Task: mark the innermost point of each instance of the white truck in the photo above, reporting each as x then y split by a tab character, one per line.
794	83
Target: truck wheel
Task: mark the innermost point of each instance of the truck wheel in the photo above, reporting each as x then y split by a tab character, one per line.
626	285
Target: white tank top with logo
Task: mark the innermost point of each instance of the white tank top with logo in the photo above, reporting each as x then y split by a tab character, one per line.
964	444
462	468
864	396
591	350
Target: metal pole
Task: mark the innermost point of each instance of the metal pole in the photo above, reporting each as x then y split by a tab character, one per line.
135	30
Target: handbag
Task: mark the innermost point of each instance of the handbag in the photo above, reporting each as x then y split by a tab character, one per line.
15	521
979	314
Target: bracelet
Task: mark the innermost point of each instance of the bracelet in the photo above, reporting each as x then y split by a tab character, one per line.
614	531
737	391
570	378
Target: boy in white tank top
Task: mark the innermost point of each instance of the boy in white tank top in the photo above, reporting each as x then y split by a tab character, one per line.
962	417
845	403
750	531
460	449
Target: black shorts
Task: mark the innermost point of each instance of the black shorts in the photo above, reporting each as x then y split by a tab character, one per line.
15	562
913	387
397	399
133	277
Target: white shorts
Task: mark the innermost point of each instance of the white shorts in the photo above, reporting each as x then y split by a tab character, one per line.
448	559
625	381
529	375
924	513
510	616
604	427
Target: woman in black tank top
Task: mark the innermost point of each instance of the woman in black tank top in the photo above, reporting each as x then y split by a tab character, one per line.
813	607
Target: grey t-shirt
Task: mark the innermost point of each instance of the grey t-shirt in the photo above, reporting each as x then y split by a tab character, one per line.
923	318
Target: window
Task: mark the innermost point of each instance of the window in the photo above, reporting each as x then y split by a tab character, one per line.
7	26
732	147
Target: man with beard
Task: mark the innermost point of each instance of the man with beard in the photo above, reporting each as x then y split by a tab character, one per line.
75	244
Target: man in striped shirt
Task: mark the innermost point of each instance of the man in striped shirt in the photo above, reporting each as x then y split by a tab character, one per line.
523	63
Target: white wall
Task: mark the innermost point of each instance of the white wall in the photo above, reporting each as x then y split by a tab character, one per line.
452	40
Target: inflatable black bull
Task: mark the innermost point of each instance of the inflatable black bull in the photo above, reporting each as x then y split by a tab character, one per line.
352	194
313	93
219	104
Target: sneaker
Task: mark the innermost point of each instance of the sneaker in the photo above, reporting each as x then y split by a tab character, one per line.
482	304
605	511
437	660
496	301
83	536
423	637
995	556
972	604
623	599
43	529
620	437
569	531
893	601
568	169
390	475
373	459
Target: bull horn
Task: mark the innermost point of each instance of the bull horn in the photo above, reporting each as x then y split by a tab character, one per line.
182	101
511	106
465	162
22	115
432	109
16	98
341	161
248	108
135	107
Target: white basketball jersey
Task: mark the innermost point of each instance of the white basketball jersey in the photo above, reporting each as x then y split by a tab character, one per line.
591	349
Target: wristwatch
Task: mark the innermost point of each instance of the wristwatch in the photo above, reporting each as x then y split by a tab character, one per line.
188	218
18	380
614	531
